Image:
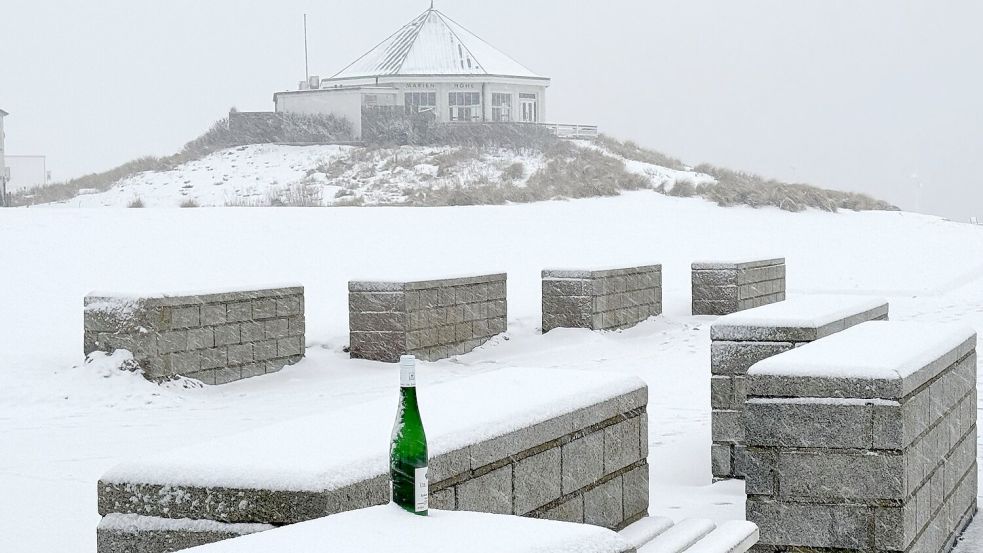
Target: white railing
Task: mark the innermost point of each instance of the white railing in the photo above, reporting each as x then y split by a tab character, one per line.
576	132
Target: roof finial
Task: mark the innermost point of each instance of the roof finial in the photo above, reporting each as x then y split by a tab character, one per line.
431	5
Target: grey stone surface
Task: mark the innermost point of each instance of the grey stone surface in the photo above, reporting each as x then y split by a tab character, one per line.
604	505
600	300
846	471
724	288
583	462
635	484
569	511
216	338
491	493
622	444
537	481
430	319
116	541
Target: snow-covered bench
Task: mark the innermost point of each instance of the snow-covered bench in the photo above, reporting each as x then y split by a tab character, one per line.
554	444
724	287
742	339
601	299
865	440
387	529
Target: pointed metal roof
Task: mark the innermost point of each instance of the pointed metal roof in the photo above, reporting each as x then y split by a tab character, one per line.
434	44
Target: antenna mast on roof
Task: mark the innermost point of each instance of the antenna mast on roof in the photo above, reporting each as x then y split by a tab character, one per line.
307	68
431	5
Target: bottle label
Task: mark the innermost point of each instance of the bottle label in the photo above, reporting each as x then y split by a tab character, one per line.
422	488
407	376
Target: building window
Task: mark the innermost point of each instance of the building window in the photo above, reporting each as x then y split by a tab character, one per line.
465	106
370	100
529	108
420	102
501	107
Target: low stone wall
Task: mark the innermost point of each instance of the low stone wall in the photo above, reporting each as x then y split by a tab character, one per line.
724	288
586	463
742	339
215	338
432	319
865	441
601	300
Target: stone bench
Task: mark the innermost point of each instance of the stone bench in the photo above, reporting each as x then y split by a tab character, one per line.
432	319
865	440
662	535
742	339
554	444
601	300
723	288
216	338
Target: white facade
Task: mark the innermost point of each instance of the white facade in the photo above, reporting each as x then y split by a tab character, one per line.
431	65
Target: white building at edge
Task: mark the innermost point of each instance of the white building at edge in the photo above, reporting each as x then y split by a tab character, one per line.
4	172
432	64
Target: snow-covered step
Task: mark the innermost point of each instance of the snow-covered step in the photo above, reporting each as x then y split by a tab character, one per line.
659	535
388	529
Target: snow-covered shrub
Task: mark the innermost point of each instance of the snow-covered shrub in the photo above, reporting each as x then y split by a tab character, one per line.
136	203
514	172
738	188
682	189
190	203
300	195
632	151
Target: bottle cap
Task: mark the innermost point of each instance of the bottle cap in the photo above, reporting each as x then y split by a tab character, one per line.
408	361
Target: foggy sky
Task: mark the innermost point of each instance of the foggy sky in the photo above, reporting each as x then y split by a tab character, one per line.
878	96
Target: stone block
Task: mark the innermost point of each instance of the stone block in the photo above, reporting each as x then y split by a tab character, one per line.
635	484
264	309
239	312
185	317
287	347
184	363
265	350
213	314
863	477
720	464
201	338
443	500
253	370
604	505
735	358
622	445
583	462
537	481
277	328
490	493
174	341
808	424
227	335
377	302
815	526
290	306
227	375
214	358
240	354
252	331
727	426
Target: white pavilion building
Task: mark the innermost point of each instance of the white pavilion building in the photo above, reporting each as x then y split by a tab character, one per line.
432	65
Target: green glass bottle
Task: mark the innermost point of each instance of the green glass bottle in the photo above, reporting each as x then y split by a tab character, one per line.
408	451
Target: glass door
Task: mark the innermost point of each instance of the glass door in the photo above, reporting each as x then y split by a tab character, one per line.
529	108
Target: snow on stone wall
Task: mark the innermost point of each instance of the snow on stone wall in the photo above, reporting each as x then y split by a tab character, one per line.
742	339
214	338
725	288
855	449
432	319
601	300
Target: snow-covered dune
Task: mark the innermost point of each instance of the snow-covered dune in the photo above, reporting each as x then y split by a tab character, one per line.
62	427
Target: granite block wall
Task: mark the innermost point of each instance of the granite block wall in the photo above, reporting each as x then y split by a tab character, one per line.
724	288
601	300
432	319
855	462
215	338
588	465
736	346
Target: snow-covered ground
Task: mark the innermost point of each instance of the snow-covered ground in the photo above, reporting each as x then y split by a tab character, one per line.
265	174
62	425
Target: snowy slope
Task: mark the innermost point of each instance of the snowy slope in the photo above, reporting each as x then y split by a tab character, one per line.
262	174
63	425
